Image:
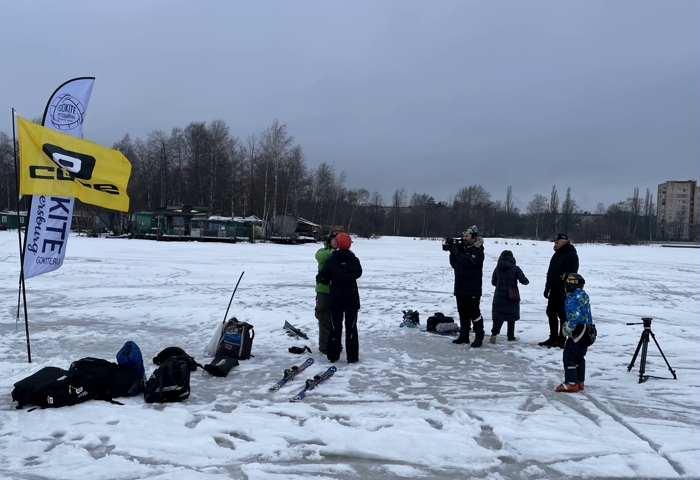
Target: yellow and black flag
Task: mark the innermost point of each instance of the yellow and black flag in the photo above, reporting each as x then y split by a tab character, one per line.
53	163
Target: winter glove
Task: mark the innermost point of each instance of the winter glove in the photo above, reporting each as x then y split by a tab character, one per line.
299	350
546	292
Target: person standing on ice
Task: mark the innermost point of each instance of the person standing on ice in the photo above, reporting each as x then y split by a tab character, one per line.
341	272
467	261
506	274
578	319
321	311
564	260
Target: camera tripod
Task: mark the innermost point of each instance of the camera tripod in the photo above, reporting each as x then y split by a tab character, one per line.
643	345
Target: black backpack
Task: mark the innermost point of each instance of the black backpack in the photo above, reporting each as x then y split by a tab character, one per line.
436	319
53	387
170	382
112	380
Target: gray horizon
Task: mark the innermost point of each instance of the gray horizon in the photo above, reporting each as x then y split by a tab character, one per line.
601	97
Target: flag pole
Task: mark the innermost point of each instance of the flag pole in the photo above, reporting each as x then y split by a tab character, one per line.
22	286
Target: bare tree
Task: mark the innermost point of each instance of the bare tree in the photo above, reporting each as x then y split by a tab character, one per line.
7	176
634	208
357	198
398	202
554	208
537	208
323	185
509	209
649	211
275	144
377	202
568	208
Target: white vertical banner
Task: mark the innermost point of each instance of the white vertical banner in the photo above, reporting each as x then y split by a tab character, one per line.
50	217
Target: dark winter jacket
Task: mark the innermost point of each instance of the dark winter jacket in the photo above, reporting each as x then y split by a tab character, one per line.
468	266
564	260
341	271
506	274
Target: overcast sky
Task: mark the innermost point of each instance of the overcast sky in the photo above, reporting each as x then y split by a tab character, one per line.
432	96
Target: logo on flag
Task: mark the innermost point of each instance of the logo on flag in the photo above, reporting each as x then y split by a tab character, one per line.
60	165
66	112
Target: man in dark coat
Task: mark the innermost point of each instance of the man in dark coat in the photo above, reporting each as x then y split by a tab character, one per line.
505	276
341	272
564	260
468	262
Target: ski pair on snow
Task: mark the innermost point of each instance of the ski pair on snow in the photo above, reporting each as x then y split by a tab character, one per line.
312	383
290	373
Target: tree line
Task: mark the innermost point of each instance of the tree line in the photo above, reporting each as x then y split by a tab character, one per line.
265	174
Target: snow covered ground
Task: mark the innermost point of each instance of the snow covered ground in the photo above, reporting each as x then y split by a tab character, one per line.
415	406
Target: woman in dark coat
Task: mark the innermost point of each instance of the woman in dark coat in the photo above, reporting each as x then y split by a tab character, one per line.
506	274
341	272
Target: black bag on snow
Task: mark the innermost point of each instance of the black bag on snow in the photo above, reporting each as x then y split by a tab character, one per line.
221	365
53	387
112	380
237	340
170	382
436	319
168	352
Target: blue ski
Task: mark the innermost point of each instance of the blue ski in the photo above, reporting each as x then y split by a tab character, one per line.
290	373
312	383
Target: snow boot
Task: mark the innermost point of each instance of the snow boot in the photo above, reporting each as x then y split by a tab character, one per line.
567	387
492	339
479	333
580	386
549	343
463	334
512	339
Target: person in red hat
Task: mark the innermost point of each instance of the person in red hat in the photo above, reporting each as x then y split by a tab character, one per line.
341	272
321	310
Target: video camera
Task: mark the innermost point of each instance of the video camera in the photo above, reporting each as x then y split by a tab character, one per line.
448	241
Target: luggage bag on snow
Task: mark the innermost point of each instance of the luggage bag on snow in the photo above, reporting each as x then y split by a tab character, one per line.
53	387
437	319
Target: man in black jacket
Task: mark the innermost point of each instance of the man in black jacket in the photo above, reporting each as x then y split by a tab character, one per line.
564	260
468	263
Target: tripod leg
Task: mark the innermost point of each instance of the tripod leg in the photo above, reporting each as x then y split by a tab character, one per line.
636	352
673	372
643	361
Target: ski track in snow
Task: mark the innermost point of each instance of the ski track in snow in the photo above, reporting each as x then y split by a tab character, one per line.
415	406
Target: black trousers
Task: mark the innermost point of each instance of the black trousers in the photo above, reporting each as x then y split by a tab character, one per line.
555	312
497	324
574	358
469	311
335	337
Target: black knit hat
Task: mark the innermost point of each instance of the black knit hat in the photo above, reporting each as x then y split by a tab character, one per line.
506	253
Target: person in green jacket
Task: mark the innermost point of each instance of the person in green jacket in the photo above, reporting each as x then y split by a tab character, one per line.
322	315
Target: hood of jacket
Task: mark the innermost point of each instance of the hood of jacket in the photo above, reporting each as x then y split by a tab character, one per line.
477	244
505	263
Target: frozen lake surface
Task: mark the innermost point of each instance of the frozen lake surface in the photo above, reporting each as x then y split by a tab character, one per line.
415	406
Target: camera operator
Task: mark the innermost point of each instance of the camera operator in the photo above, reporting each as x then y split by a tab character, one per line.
564	260
467	260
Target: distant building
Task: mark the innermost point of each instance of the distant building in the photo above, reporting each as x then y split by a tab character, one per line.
677	212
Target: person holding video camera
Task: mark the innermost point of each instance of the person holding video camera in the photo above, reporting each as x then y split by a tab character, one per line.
467	260
564	260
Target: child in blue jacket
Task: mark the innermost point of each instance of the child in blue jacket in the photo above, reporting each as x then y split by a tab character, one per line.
578	318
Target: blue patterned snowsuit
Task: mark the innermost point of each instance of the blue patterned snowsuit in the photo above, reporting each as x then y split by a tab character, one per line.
578	315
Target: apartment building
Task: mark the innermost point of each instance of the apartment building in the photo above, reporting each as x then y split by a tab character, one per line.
677	209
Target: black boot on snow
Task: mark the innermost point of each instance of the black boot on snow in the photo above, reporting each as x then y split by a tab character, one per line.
463	337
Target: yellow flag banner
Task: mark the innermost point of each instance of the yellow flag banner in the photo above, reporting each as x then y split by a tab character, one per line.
53	163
